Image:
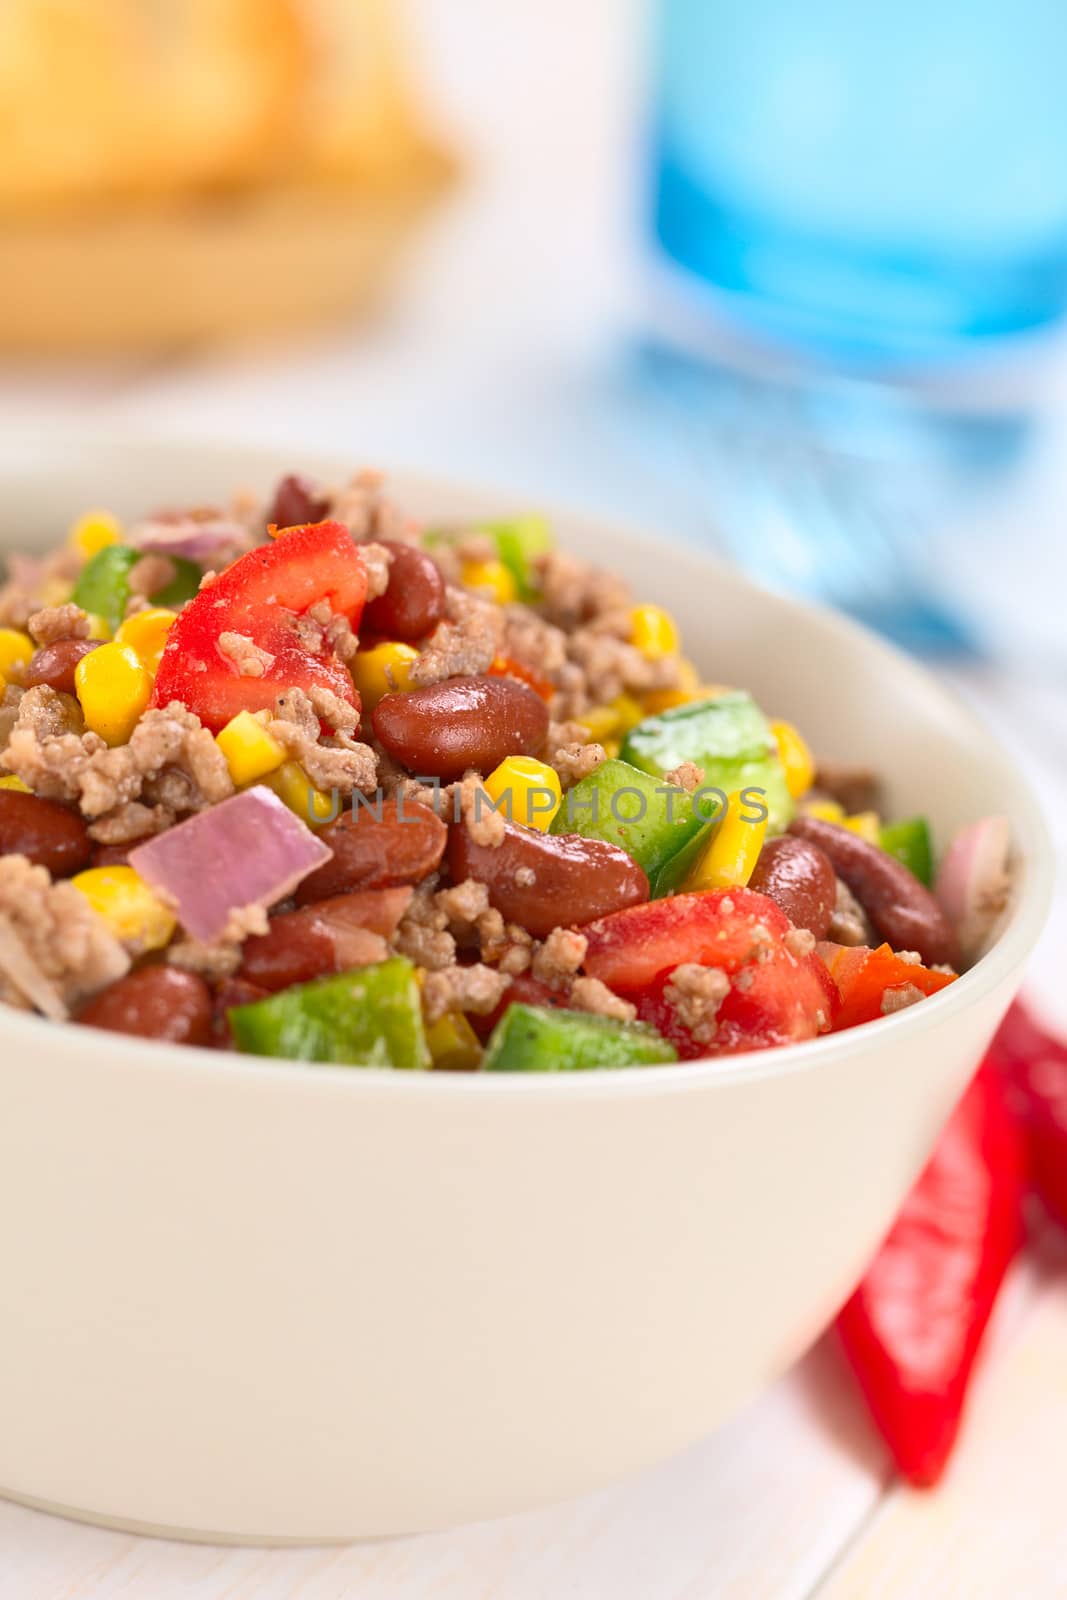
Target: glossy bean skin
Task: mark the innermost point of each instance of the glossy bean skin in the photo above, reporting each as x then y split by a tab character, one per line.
461	724
54	664
901	909
112	855
231	992
403	848
155	1003
544	881
798	877
414	602
296	501
346	931
47	833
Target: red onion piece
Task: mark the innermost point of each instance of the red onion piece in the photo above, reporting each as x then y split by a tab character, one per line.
248	851
974	882
215	540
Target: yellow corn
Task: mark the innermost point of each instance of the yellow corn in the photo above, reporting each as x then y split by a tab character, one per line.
292	785
729	859
454	1045
868	824
16	648
654	632
612	748
134	912
99	628
146	634
93	533
612	721
250	751
797	759
55	591
11	782
113	688
824	810
384	670
533	791
493	578
686	689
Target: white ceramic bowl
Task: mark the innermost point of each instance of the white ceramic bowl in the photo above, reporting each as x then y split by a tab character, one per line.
274	1302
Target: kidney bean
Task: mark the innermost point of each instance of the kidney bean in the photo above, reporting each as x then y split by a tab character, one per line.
231	992
902	910
414	602
46	832
54	664
403	848
155	1003
442	731
112	855
349	930
800	880
544	881
297	500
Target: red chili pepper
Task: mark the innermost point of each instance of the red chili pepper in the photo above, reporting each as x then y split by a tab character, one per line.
912	1329
1035	1065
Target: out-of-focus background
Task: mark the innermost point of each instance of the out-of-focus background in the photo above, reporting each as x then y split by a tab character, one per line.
787	280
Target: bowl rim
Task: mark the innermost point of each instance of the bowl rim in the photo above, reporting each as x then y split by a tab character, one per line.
1013	944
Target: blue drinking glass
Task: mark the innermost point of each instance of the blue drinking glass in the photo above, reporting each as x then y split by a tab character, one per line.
882	182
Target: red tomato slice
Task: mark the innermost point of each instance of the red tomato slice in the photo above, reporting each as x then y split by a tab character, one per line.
788	999
261	596
863	975
723	928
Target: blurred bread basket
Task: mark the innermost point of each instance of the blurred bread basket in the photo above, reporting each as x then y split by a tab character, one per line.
175	173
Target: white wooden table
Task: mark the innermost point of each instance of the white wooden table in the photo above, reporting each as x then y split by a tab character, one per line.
489	367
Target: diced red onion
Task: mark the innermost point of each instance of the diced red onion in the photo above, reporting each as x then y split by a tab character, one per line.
208	541
247	851
974	882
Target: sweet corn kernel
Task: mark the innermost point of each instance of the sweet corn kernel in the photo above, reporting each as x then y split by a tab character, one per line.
797	759
292	785
250	751
729	859
526	791
612	748
612	721
868	824
16	648
654	632
55	591
384	670
99	627
493	579
134	912
93	533
113	687
11	782
824	810
146	634
454	1045
688	688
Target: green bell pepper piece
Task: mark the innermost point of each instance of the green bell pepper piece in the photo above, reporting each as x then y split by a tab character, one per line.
641	814
518	542
910	842
544	1039
103	585
370	1017
728	737
183	586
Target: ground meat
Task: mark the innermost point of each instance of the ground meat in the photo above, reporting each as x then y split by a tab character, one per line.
246	655
538	645
368	515
342	764
611	666
900	997
576	761
688	777
589	994
341	715
477	988
467	641
54	949
54	623
10	701
214	961
151	574
63	765
849	924
557	960
483	822
334	630
463	904
131	821
423	934
377	560
695	994
800	942
16	606
573	592
854	788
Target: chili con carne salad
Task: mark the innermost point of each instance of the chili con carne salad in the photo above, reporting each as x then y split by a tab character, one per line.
316	783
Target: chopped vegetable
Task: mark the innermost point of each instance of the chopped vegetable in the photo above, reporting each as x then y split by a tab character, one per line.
865	978
195	539
650	820
249	850
184	584
543	1039
137	917
974	882
728	858
797	759
146	634
912	1329
368	1018
251	752
113	687
910	842
518	545
491	578
654	632
728	738
16	648
103	586
454	1046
